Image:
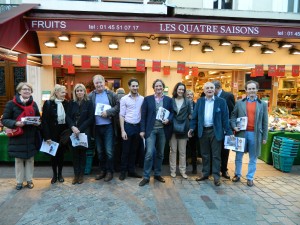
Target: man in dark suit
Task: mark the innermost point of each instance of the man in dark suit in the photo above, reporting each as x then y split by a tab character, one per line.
211	118
155	132
229	98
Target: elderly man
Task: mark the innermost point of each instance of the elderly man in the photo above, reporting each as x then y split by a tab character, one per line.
256	132
229	98
211	118
105	126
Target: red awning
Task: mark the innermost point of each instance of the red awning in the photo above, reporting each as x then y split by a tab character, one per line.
12	29
15	11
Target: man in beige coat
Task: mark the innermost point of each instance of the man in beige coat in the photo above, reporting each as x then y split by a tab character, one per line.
256	132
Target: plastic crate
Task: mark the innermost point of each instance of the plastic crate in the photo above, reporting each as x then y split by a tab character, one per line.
283	163
286	140
285	151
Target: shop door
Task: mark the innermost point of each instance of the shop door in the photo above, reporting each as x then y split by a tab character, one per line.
10	76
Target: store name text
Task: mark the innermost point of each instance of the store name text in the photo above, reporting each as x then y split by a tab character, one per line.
202	28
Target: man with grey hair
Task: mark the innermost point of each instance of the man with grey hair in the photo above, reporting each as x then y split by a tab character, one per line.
229	98
105	126
211	118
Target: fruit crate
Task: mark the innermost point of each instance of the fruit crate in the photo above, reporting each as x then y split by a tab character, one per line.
282	162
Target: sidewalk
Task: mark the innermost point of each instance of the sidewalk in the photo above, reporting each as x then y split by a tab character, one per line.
275	199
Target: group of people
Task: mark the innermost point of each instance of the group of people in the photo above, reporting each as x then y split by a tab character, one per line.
134	118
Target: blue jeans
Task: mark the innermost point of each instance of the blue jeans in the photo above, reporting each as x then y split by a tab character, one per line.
250	147
154	143
104	139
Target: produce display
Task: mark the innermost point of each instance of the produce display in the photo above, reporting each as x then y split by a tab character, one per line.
281	119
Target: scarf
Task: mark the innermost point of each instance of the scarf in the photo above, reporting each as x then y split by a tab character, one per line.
28	110
61	115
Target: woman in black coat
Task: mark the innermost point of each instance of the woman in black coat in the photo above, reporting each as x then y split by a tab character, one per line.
53	124
22	147
80	117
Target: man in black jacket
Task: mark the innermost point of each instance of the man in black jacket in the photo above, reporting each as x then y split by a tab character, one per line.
229	98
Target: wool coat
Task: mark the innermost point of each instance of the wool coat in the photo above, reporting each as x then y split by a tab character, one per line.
50	127
260	125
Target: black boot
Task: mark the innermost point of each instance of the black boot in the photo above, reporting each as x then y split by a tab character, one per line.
54	178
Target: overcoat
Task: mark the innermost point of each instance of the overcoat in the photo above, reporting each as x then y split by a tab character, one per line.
261	121
23	146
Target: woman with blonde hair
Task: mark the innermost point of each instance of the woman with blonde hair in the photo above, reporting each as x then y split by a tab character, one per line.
22	147
80	117
53	124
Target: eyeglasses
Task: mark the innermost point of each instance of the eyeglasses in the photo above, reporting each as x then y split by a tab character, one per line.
26	89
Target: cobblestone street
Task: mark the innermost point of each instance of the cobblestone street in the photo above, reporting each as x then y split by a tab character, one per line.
274	199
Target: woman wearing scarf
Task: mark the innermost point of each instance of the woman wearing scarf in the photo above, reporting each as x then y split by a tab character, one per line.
22	147
80	117
53	124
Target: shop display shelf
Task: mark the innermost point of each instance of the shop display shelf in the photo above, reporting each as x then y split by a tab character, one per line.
283	163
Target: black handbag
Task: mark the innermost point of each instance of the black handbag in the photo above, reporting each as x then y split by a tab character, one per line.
179	126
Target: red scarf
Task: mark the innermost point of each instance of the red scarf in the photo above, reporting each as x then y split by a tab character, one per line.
28	110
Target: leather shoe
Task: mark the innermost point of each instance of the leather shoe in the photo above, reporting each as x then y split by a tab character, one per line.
226	175
134	175
60	178
108	177
54	179
160	179
217	182
143	182
80	179
19	186
236	179
29	184
250	183
122	176
75	180
201	178
100	176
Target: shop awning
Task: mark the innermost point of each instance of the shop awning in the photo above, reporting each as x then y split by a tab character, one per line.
14	34
15	12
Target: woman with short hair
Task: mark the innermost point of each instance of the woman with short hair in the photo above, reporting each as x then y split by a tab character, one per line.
22	147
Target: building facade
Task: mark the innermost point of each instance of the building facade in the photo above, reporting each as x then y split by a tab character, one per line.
223	39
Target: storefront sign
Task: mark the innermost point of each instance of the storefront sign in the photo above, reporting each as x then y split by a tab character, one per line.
195	27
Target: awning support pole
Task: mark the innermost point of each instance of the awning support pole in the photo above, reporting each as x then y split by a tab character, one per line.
19	41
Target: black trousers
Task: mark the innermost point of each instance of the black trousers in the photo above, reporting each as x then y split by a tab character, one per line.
224	159
192	149
211	153
57	161
79	160
130	147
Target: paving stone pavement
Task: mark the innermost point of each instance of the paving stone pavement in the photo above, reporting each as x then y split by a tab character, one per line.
273	200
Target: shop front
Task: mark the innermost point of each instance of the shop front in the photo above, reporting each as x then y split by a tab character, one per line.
193	51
